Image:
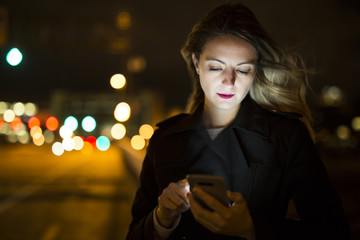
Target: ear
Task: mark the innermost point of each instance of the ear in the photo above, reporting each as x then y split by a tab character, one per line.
195	62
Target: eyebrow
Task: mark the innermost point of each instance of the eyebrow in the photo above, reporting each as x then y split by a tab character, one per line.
252	62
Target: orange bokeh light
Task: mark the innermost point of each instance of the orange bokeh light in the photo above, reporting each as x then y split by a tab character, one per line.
16	124
92	140
52	123
1	123
34	121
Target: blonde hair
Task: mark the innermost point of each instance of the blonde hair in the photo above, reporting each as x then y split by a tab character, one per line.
280	81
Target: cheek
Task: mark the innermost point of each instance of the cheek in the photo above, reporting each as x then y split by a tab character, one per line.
247	82
206	83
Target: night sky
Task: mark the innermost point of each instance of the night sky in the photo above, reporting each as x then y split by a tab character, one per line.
66	44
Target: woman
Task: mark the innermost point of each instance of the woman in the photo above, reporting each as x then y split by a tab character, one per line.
248	122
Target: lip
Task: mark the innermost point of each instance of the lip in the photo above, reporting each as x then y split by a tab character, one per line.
225	96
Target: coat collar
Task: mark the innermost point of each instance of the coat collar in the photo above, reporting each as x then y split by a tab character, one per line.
250	118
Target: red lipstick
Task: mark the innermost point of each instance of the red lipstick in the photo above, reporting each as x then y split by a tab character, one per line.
225	96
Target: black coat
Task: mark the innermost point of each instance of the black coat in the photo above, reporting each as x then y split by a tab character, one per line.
269	157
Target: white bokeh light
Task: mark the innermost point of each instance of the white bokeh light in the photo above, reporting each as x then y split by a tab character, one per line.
88	124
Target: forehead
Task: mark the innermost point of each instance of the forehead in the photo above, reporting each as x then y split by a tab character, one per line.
229	46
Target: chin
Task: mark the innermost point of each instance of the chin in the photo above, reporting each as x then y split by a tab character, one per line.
227	106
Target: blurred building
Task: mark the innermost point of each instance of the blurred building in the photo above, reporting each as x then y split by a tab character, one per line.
146	107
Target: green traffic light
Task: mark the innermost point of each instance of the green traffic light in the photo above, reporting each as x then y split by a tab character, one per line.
14	57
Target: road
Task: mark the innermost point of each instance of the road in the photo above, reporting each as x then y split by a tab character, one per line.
76	196
71	197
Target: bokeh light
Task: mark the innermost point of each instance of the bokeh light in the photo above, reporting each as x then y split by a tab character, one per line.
33	121
91	140
118	131
117	81
6	129
137	142
23	137
57	149
35	132
52	123
68	144
3	107
65	132
39	141
12	138
136	64
9	115
30	109
79	143
123	20
332	95
102	143
19	109
49	136
16	124
1	123
88	124
146	131
122	112
355	124
343	132
14	57
71	122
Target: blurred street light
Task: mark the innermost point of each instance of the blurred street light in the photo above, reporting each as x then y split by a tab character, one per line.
30	109
123	20
19	109
355	123
118	131
332	96
79	143
57	148
9	115
137	142
122	112
52	123
146	131
33	121
117	81
102	143
71	122
88	124
14	57
343	132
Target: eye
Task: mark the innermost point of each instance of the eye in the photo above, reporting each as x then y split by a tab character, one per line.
244	72
215	69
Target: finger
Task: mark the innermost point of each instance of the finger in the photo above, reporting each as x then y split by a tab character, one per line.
181	190
200	212
170	199
165	202
208	219
179	200
210	201
236	197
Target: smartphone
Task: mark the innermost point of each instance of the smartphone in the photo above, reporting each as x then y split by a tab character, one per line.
211	184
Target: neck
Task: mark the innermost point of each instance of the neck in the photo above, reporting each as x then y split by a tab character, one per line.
218	118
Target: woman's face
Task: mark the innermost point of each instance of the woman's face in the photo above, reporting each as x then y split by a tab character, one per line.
226	69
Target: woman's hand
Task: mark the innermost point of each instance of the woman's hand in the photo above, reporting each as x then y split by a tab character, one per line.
172	202
232	221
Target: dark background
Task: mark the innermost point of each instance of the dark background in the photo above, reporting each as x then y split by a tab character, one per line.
66	44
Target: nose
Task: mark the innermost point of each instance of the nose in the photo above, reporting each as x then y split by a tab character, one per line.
229	77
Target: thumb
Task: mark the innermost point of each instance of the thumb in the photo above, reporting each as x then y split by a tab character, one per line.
236	197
